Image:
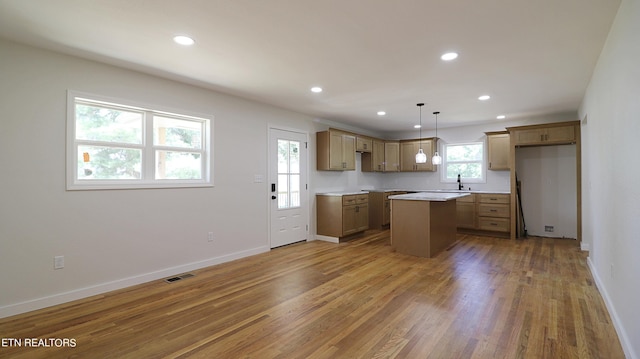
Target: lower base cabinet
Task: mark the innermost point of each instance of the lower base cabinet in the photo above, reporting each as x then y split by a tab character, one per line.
484	212
380	208
342	215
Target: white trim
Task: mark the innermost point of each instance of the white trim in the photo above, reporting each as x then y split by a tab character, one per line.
72	183
584	246
617	324
327	238
270	127
39	303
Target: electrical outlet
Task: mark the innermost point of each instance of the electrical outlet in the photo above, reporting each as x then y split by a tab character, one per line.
210	237
58	262
548	228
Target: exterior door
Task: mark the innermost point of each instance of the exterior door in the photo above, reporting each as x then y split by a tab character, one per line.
289	200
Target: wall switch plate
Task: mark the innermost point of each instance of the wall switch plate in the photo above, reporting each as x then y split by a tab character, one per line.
548	228
210	237
258	178
58	262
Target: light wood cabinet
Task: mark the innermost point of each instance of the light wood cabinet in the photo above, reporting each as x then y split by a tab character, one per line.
364	144
374	161
336	151
493	212
480	213
391	157
498	150
340	216
408	150
547	134
380	208
466	212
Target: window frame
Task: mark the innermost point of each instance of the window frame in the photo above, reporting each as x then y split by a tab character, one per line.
148	148
465	180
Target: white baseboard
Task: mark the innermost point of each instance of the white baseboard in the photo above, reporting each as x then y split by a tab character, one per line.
80	293
622	334
584	246
327	238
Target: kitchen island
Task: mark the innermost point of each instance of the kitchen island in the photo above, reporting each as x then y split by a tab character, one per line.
423	224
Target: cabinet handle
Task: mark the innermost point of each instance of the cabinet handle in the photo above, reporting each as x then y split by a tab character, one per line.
493	210
541	137
546	137
489	164
357	209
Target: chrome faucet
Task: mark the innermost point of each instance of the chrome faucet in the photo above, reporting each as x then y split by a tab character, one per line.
459	183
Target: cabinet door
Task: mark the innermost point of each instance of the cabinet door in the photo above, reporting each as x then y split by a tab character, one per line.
529	137
563	134
349	152
362	217
349	221
391	156
427	148
336	161
498	147
364	144
408	152
378	156
386	212
466	214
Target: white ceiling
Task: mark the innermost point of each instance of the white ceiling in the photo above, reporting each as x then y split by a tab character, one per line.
534	57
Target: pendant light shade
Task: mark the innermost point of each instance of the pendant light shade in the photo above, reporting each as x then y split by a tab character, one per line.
421	157
436	159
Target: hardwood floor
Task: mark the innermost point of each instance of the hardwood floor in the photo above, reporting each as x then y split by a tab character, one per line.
482	298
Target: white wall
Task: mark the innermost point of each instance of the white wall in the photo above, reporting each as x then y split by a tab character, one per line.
548	178
111	239
611	169
495	180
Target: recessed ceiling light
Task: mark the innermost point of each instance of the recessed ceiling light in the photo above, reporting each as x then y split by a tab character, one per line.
484	97
183	40
417	126
449	56
316	89
381	113
501	117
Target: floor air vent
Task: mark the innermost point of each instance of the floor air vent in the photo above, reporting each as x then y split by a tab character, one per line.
177	278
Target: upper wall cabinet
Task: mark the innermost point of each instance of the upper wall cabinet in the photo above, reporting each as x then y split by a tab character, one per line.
547	134
336	151
408	150
374	161
498	150
364	144
391	156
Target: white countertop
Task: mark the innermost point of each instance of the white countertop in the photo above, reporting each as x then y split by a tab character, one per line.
340	194
429	196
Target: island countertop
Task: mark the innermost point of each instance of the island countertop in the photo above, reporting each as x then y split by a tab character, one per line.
429	196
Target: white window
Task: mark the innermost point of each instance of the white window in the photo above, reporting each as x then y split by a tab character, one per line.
115	145
464	159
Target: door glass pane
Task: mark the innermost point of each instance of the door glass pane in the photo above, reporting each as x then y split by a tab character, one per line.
295	190
283	156
294	156
283	191
288	174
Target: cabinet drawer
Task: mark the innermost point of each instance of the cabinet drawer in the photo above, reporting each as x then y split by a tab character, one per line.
349	200
493	210
362	198
494	224
493	198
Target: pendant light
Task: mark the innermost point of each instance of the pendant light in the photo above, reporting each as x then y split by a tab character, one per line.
436	159
421	157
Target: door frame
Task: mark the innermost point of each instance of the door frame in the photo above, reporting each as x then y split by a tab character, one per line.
268	182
